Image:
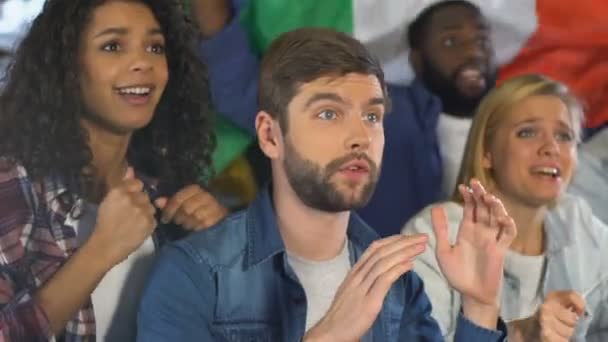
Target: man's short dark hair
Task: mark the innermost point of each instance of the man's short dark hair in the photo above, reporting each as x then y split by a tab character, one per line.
417	30
303	55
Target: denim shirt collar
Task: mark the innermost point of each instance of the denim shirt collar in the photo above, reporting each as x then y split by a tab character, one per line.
264	238
557	237
567	222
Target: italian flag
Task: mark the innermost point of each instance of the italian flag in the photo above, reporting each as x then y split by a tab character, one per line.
563	39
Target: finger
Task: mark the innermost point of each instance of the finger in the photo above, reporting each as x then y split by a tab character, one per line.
562	330
161	202
373	247
177	200
497	213
440	228
179	218
567	299
469	206
208	218
491	203
508	231
497	216
384	282
481	214
551	335
468	218
574	301
565	316
401	244
130	174
191	223
193	211
499	208
388	261
206	214
218	214
478	188
133	185
141	200
199	219
200	201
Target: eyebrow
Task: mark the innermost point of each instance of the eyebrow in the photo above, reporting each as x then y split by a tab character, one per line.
121	31
377	101
527	121
324	96
337	98
566	125
454	26
535	120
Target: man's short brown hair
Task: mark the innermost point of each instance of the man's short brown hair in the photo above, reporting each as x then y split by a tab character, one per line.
303	55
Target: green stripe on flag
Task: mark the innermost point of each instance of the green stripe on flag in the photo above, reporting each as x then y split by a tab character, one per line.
266	19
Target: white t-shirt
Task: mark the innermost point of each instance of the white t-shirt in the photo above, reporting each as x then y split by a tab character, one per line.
116	297
452	132
528	270
320	280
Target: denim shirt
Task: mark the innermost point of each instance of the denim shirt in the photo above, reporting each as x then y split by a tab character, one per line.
233	283
590	180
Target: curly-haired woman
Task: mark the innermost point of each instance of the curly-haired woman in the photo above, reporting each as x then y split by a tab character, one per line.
102	118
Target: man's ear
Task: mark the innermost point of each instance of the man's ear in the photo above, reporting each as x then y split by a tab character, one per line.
270	136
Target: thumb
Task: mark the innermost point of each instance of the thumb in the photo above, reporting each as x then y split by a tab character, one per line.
575	302
130	173
440	228
161	202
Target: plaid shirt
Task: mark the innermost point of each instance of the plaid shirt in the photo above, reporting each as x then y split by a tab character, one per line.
37	235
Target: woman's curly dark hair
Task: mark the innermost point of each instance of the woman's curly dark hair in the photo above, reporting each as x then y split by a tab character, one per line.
41	102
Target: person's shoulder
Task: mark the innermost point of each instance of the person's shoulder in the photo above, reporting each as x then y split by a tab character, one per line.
19	201
221	245
16	186
422	222
573	213
10	171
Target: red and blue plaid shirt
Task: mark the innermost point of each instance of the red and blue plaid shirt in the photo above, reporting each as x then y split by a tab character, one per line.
37	235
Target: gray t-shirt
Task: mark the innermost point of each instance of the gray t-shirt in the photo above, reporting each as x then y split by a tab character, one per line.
320	280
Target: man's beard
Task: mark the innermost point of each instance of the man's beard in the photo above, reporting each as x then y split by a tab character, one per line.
312	184
453	101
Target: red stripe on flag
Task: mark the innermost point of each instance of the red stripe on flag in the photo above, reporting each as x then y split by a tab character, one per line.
570	45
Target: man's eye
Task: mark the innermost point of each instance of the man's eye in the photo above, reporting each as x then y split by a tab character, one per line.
327	115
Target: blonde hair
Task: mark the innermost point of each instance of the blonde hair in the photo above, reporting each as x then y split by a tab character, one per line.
495	107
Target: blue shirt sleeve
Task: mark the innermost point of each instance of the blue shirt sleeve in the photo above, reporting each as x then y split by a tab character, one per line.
177	302
416	321
233	74
469	331
417	324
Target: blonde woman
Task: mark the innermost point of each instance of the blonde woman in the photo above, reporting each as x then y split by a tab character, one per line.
522	148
